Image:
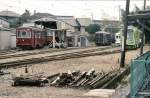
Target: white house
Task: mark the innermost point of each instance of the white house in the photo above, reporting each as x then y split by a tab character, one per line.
5	39
7	35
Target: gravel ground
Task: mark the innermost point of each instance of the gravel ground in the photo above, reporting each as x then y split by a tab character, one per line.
99	63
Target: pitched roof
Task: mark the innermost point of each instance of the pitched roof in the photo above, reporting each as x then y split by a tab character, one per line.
46	19
107	22
42	15
84	21
9	13
69	20
1	18
64	17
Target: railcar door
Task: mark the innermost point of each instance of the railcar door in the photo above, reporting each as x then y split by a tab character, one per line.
33	38
36	39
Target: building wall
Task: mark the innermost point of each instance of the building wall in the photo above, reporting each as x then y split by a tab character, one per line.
63	25
13	38
5	39
12	41
83	32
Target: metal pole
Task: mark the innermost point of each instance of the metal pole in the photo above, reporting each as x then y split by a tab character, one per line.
53	38
119	13
142	34
142	40
144	4
124	35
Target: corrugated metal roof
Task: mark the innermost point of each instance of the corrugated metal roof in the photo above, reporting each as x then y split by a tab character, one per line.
9	13
42	15
4	19
69	20
84	21
46	19
5	29
72	22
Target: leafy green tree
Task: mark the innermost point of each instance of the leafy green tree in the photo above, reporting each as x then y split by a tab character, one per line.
92	28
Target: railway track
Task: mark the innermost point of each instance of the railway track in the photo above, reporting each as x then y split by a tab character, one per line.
32	53
7	52
4	53
38	52
63	56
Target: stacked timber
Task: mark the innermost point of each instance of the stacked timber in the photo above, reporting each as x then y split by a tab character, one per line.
89	80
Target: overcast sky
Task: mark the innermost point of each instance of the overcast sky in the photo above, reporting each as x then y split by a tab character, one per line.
79	8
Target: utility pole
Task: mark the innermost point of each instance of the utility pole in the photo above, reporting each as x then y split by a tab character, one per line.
124	35
142	34
119	12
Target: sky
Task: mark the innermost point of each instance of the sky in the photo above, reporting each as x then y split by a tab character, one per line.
96	9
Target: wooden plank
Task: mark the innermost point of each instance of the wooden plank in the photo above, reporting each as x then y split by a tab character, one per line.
102	93
144	93
104	90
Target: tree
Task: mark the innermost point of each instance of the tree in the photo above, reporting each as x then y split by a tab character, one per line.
25	16
92	28
135	10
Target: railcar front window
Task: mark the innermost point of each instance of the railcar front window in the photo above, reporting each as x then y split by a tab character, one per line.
24	34
130	34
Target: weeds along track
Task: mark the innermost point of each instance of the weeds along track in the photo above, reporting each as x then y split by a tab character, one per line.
63	56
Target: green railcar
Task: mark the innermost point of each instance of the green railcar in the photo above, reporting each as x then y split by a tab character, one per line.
133	37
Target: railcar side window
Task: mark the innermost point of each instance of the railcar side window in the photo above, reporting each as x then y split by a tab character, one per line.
37	34
28	34
18	34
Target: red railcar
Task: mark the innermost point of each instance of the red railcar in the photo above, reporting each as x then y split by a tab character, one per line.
30	37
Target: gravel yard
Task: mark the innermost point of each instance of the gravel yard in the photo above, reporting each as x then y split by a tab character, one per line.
99	63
